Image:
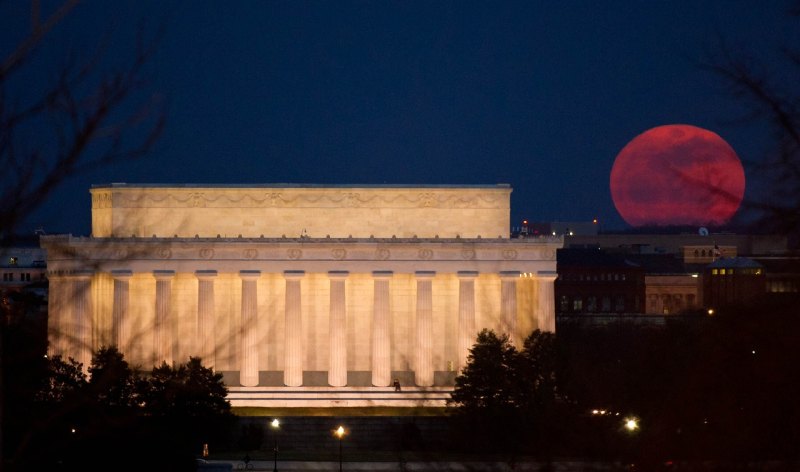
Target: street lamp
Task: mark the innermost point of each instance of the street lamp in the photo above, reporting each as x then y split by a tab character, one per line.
631	424
275	425
340	434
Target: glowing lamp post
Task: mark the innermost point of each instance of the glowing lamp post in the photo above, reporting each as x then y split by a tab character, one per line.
340	434
631	424
275	425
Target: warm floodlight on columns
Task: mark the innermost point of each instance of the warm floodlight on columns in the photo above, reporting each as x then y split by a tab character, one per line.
248	375
293	363
81	333
337	326
120	319
508	303
466	314
162	329
204	325
546	304
381	341
423	370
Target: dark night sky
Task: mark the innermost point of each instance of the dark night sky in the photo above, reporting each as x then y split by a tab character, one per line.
541	95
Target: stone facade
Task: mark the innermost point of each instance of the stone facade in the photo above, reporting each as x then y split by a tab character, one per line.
310	319
121	210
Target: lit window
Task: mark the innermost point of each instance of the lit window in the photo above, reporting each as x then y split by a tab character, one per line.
722	272
714	271
12	261
577	304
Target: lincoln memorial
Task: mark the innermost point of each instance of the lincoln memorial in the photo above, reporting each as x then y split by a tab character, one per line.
300	295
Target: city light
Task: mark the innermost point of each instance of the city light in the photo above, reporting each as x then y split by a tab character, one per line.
631	424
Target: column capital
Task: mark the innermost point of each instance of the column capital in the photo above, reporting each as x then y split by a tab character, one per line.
80	274
382	274
467	274
163	274
294	274
205	274
425	274
249	274
338	274
509	274
122	274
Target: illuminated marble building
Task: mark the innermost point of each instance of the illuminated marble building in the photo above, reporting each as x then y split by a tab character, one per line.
300	295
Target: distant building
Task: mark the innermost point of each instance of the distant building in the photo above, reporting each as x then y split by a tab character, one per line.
681	273
554	228
594	281
23	288
731	280
782	273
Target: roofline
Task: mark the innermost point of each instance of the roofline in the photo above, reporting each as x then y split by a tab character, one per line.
502	186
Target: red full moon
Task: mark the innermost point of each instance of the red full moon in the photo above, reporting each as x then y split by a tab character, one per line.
677	175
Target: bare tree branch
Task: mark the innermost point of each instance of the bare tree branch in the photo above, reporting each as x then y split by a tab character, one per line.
771	97
94	117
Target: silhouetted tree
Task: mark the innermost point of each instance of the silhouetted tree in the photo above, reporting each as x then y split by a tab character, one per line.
768	88
119	416
486	393
84	113
185	407
487	383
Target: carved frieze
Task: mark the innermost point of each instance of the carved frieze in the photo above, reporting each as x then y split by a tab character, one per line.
509	254
297	198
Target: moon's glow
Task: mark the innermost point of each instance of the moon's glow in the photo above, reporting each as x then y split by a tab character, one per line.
677	175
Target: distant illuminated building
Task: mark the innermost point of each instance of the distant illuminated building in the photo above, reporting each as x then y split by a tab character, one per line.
731	280
301	295
592	281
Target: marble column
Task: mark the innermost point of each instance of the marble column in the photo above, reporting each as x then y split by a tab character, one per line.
466	315
337	329
508	304
120	317
206	314
381	341
57	313
81	332
546	302
423	370
293	363
248	373
162	330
